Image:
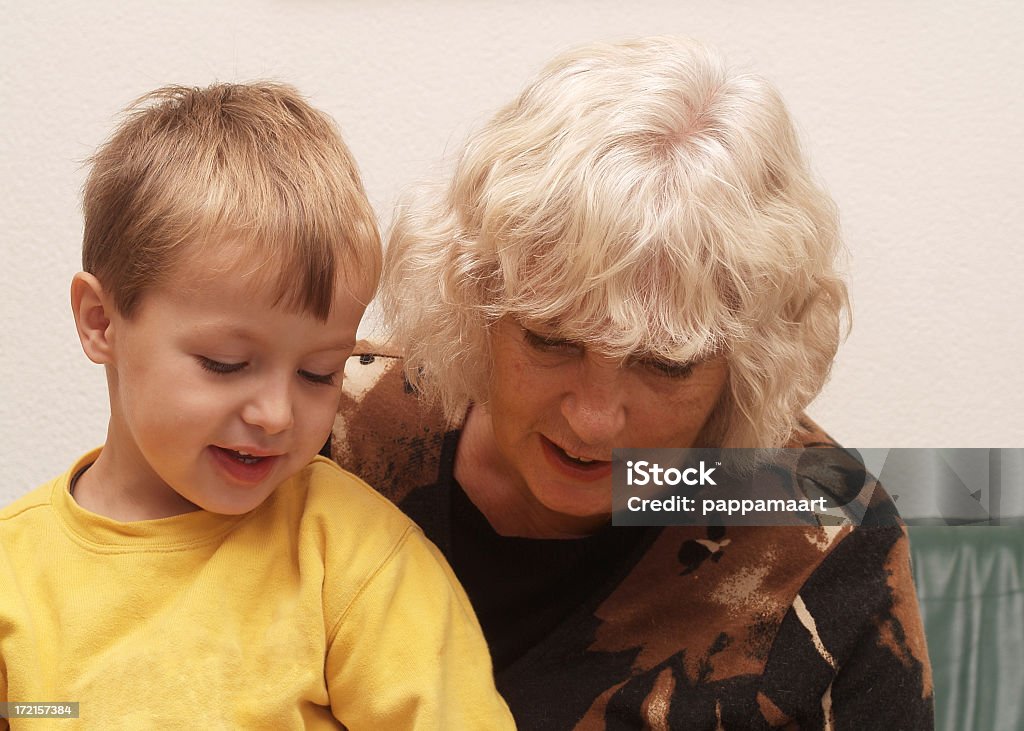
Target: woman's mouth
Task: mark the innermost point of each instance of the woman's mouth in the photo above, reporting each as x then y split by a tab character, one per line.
572	465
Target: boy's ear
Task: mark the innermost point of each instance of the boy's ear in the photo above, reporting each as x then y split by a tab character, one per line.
93	310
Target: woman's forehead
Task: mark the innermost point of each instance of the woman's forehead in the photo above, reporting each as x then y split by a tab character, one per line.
621	340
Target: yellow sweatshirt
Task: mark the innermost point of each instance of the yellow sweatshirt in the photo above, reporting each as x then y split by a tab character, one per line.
323	605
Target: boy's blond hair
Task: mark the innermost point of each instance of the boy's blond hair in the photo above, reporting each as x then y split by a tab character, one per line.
190	169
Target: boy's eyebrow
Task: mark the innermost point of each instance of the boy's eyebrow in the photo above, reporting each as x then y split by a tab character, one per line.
239	332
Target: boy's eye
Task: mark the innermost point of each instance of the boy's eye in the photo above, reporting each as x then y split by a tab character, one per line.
216	366
324	379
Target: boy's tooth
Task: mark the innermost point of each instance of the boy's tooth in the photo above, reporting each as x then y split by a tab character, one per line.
244	456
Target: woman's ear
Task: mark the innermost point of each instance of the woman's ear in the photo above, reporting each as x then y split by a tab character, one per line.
93	310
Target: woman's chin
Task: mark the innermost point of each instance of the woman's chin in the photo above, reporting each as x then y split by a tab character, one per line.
576	502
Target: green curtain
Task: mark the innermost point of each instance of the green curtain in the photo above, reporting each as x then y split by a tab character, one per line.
969	583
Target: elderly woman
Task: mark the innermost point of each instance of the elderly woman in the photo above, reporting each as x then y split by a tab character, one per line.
633	254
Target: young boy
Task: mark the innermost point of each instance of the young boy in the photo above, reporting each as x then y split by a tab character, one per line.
204	568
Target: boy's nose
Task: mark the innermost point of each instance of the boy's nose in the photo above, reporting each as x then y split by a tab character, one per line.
270	408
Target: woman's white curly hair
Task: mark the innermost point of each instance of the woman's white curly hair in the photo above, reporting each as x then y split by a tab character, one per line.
642	198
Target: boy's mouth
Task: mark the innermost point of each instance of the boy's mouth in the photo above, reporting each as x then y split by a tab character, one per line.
242	465
243	457
249	456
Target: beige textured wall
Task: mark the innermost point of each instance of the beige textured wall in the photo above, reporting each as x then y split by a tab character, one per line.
911	112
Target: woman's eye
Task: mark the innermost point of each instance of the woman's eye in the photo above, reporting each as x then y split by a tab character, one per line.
216	366
321	379
668	368
547	344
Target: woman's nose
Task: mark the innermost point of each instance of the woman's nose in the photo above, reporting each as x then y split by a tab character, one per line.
594	406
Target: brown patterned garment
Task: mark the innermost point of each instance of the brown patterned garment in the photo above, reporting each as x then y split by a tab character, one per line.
660	628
